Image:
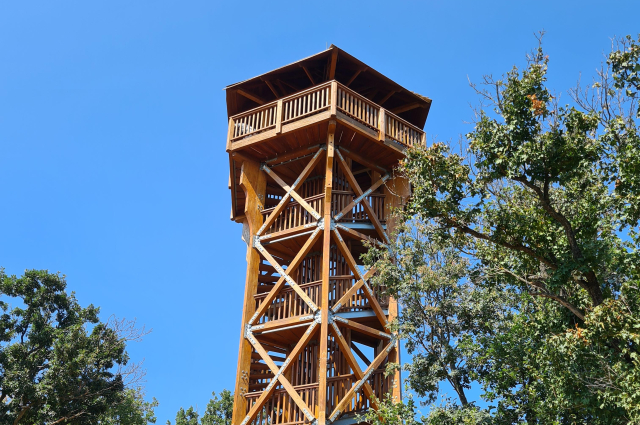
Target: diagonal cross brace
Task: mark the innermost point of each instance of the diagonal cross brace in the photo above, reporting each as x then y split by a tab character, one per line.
289	279
287	197
361	198
280	283
358	191
279	375
365	376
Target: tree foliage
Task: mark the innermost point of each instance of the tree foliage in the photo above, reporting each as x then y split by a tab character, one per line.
218	412
518	264
58	363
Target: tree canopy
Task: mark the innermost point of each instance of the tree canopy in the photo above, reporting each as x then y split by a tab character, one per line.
59	364
517	266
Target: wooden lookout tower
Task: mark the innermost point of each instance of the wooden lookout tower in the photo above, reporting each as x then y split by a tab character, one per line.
312	147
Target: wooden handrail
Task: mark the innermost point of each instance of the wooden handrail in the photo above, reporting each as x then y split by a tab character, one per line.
311	101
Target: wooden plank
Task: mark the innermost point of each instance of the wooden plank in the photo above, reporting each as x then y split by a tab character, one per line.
356	188
279	117
358	235
277	324
355	326
288	232
289	156
292	282
250	96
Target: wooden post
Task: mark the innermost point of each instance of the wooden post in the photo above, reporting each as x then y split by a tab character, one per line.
230	132
326	268
334	98
382	125
279	117
254	183
397	192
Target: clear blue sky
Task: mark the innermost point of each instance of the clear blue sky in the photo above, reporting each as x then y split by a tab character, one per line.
113	126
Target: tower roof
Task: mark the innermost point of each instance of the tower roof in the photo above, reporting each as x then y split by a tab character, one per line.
331	64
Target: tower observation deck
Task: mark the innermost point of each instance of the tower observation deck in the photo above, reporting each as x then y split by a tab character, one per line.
312	147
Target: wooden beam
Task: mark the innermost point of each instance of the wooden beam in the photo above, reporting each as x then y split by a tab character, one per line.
407	107
282	323
271	87
384	99
291	86
353	364
366	330
355	75
306	71
362	160
360	354
333	61
253	182
250	96
359	235
326	274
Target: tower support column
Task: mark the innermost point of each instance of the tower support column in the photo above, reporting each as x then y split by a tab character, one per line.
253	182
326	270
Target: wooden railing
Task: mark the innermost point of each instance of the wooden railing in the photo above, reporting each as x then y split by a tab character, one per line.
288	304
253	122
306	103
294	215
330	96
358	107
281	410
401	131
343	198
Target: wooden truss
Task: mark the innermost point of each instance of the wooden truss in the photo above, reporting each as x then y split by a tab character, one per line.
322	320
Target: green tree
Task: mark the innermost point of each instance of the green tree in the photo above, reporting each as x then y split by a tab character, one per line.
218	412
132	409
543	205
58	363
